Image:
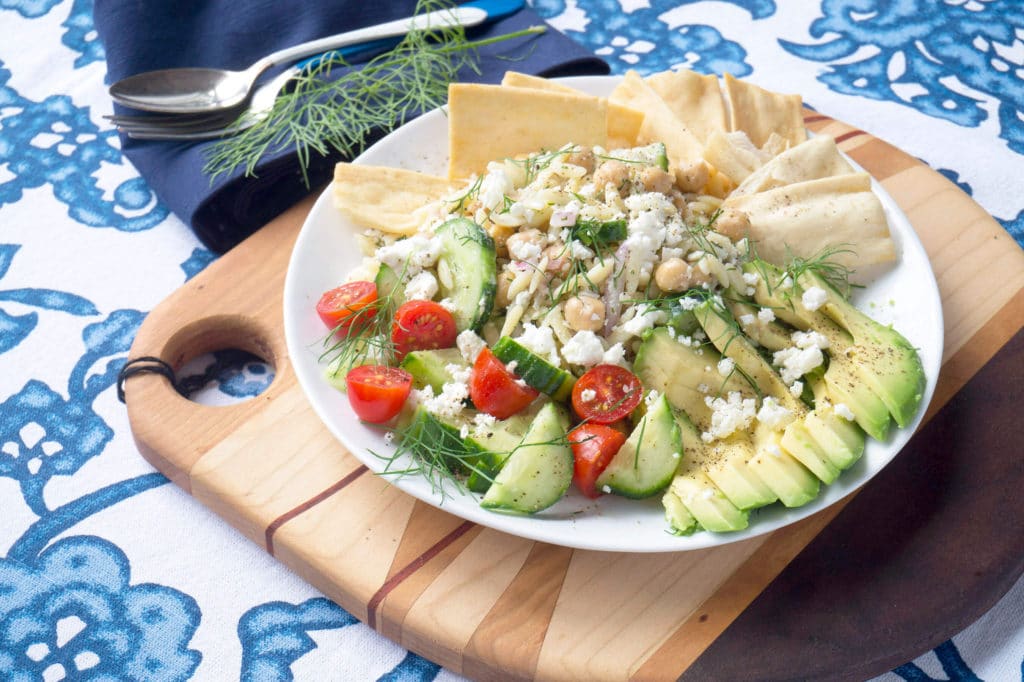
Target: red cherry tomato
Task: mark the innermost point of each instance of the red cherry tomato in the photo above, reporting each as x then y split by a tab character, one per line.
377	392
606	393
593	447
422	325
495	390
338	307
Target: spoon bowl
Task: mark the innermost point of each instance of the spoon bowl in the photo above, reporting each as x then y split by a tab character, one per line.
203	90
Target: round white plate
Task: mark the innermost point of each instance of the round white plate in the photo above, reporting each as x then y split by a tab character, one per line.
906	296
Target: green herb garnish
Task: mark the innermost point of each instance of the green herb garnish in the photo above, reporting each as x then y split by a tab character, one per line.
320	114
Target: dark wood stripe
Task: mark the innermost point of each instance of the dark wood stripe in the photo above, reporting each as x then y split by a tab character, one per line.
410	568
309	504
849	136
816	118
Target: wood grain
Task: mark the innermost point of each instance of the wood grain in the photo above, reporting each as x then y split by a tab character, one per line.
475	600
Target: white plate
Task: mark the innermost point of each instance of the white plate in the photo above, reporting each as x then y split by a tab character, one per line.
907	296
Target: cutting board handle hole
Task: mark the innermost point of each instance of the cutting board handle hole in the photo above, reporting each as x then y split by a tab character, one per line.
222	360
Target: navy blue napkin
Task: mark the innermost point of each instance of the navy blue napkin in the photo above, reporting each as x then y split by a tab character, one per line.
140	36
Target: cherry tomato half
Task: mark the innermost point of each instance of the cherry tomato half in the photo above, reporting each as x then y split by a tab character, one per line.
422	325
606	393
377	392
495	390
593	447
337	307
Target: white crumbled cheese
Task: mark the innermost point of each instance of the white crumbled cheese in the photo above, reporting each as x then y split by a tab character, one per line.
641	322
802	357
483	421
588	394
797	388
786	283
646	236
766	315
469	344
773	415
689	302
726	366
493	188
703	388
464	431
672	252
389	438
511	366
449	403
540	340
729	415
751	278
459	372
566	215
614	355
411	254
423	286
526	251
747	320
686	341
584	349
448	304
578	251
814	298
843	411
651	398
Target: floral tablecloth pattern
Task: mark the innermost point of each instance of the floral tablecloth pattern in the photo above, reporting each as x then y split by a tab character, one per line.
108	572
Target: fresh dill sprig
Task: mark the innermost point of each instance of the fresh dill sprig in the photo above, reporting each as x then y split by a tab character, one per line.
320	114
823	265
367	336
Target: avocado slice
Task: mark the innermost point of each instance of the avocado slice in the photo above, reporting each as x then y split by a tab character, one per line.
892	367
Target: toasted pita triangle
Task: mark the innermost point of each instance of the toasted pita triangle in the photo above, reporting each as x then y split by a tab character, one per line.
660	123
387	199
695	99
759	112
816	158
805	218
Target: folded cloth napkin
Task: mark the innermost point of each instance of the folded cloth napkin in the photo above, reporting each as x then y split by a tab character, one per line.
141	36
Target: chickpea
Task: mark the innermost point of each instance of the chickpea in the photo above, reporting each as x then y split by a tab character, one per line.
584	313
656	180
674	274
584	157
611	172
501	298
521	244
733	224
558	259
691	176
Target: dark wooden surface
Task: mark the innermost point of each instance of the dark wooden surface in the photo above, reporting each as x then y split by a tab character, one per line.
926	548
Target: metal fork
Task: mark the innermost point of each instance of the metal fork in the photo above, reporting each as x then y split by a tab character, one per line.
186	127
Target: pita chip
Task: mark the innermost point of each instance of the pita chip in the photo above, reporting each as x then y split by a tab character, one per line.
694	98
805	218
660	123
387	199
818	157
529	119
759	112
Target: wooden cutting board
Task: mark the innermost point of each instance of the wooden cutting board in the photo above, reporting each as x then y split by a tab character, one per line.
925	548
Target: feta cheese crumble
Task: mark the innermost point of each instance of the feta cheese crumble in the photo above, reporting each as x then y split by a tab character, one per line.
802	357
584	349
423	286
588	394
540	340
470	345
729	415
774	415
814	298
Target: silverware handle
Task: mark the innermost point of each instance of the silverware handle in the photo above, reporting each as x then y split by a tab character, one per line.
456	16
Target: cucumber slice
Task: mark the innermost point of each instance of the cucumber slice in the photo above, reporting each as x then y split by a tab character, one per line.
429	367
599	232
389	284
534	370
647	461
467	272
495	444
537	473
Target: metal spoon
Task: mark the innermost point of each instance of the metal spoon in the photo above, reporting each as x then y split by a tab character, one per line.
199	90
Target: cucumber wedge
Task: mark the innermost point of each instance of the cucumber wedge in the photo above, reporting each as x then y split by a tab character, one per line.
534	370
430	367
467	272
538	472
647	461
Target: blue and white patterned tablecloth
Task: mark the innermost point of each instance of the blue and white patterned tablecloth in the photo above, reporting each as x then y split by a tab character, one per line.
109	572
